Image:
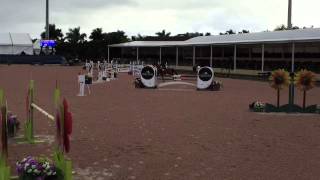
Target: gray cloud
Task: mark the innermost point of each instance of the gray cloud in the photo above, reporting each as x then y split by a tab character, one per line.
149	16
89	5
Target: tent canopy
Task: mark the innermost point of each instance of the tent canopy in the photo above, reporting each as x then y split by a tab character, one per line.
15	43
21	39
5	39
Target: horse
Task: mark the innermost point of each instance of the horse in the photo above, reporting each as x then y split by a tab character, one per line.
163	71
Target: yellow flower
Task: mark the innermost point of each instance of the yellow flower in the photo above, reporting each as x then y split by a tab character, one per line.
279	79
305	80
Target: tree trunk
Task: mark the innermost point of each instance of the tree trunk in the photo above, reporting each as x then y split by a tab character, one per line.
304	100
278	98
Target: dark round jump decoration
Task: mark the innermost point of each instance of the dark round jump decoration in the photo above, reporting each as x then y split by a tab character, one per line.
148	77
205	74
147	73
205	78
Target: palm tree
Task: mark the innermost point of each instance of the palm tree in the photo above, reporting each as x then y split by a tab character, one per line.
74	36
163	33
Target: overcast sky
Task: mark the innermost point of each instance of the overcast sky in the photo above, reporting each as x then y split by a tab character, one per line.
149	16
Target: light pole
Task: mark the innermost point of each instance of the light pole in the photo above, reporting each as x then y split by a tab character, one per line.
291	86
289	14
47	20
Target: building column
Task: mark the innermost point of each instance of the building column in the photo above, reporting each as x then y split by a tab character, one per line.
262	58
291	85
293	58
137	54
235	58
222	53
160	55
210	55
177	56
108	54
194	56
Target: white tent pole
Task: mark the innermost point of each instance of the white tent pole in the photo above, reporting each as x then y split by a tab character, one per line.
210	55
235	58
194	56
262	59
293	58
177	56
11	43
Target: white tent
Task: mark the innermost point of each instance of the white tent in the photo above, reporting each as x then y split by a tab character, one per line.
15	43
5	43
37	47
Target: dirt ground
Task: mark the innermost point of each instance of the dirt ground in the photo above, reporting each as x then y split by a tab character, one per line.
123	133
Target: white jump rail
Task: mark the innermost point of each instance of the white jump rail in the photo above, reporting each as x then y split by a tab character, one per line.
175	83
43	111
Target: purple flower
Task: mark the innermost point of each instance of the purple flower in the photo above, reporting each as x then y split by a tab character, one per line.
36	167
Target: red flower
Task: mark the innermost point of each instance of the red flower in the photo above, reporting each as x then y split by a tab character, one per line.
68	123
59	133
66	141
67	126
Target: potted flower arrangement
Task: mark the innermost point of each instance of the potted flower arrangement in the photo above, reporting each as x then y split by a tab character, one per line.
31	168
257	106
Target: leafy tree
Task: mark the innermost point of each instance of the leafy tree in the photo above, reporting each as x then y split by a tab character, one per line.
54	33
97	35
116	37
